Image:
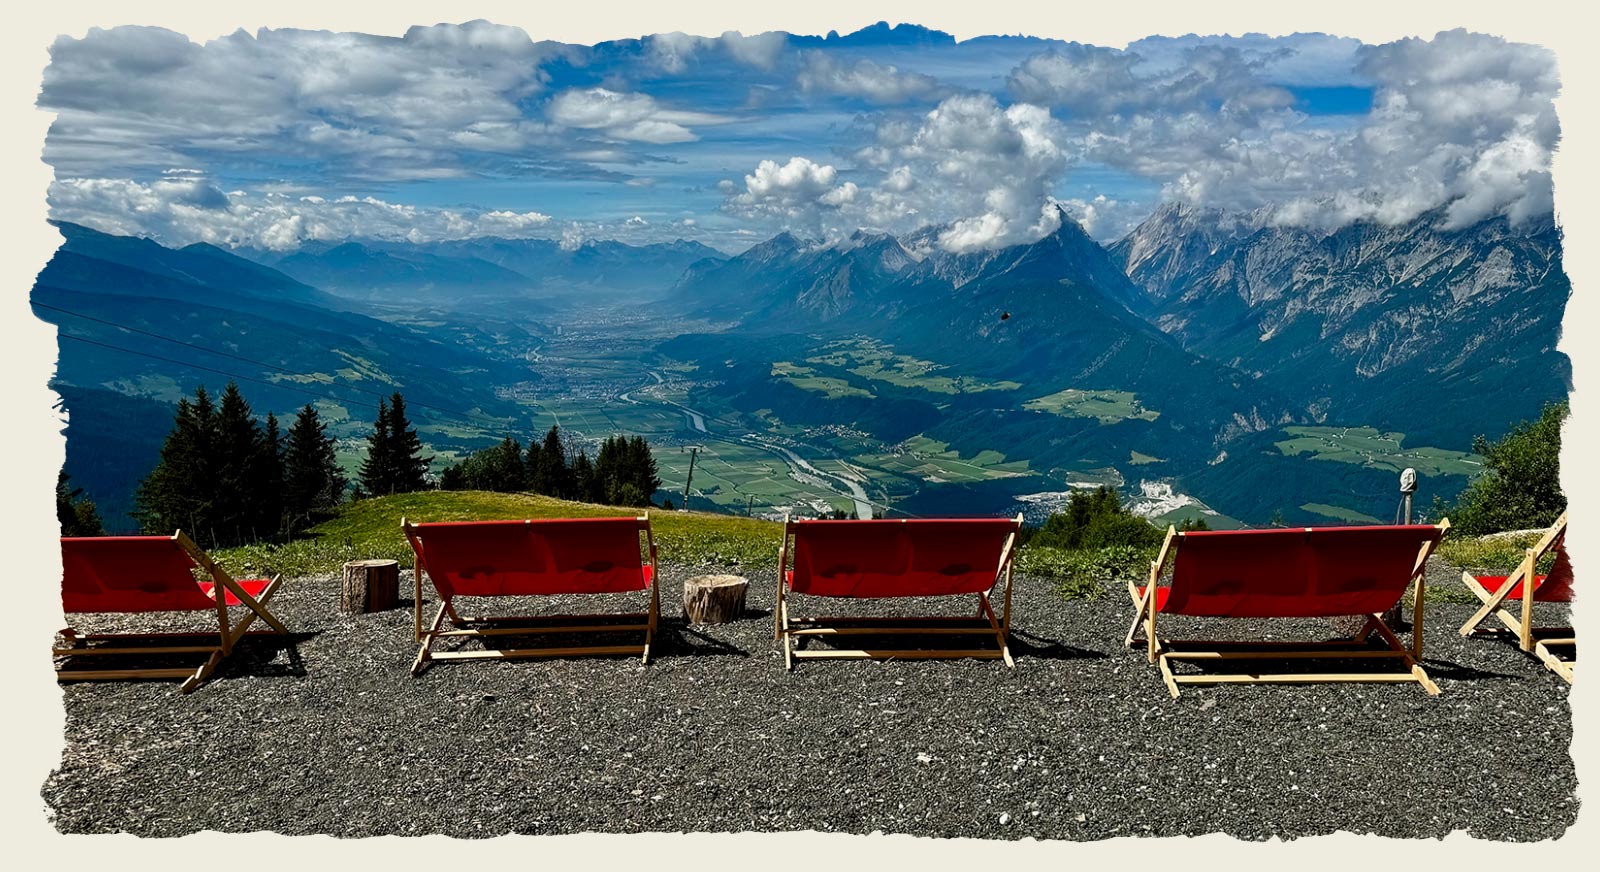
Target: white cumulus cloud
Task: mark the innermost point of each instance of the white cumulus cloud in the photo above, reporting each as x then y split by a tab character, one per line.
877	83
983	169
187	210
625	116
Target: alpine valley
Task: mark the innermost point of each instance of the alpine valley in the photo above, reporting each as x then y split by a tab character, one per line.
1207	363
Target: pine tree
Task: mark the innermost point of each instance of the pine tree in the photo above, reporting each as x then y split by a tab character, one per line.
312	478
452	478
178	493
583	479
530	466
269	477
239	471
498	469
377	469
508	475
608	470
642	472
410	468
552	478
76	513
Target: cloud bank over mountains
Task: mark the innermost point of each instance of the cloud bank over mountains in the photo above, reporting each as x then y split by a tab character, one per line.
450	131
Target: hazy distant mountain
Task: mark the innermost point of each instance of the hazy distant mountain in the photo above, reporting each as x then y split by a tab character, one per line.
487	268
199	315
786	277
363	271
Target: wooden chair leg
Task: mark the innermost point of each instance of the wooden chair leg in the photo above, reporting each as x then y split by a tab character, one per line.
193	682
427	640
1168	677
985	608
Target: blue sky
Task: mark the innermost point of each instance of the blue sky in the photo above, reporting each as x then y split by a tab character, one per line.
272	138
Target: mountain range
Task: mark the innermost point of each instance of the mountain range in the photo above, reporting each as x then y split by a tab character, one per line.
1180	352
1408	327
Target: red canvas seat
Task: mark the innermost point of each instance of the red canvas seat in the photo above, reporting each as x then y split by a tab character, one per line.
136	574
252	586
1496	591
1305	572
531	558
883	559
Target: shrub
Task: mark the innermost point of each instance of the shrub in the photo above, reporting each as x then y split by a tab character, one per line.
1520	487
1095	519
1085	573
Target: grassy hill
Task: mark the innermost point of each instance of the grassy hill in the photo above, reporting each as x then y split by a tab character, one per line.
370	529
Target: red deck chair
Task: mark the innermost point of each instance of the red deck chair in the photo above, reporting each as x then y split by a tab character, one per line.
881	559
532	558
129	574
1303	572
1496	590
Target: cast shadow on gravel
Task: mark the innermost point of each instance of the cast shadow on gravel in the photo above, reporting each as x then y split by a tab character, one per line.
1457	672
1028	645
1023	645
675	639
259	656
268	655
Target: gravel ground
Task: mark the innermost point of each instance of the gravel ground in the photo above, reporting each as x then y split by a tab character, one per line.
329	735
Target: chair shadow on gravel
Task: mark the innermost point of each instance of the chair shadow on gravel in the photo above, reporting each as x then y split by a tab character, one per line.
676	638
673	638
1028	645
1023	645
257	657
1457	672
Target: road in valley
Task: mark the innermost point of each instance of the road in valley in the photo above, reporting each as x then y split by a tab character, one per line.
798	466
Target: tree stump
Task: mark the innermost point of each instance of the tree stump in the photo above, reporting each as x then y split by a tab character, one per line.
714	599
370	586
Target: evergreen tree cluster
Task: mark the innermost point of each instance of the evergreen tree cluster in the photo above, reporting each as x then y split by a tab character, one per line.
1097	519
227	477
76	513
394	462
623	473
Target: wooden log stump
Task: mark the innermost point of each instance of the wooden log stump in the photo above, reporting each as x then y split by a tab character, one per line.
370	586
714	599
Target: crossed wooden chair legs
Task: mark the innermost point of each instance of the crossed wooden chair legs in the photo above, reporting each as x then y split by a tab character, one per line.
486	628
790	629
1163	653
84	644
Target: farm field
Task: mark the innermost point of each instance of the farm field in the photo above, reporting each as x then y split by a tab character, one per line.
1108	407
1365	446
877	361
736	477
807	379
1340	513
933	461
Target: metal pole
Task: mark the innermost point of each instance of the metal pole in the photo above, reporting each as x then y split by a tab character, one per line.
1408	487
692	455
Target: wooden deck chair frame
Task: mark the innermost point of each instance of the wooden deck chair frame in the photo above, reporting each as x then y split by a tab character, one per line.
227	634
464	627
788	629
1162	652
1521	623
